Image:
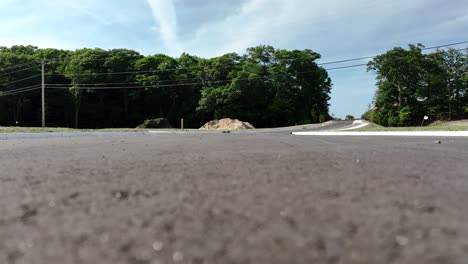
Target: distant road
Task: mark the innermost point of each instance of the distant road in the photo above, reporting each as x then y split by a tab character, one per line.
331	125
233	198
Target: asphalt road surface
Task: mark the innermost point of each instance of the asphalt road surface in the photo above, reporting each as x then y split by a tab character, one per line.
233	198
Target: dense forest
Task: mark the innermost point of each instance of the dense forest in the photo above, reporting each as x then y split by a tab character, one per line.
95	88
412	84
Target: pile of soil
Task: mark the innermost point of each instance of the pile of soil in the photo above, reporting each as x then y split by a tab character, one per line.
155	123
463	122
227	124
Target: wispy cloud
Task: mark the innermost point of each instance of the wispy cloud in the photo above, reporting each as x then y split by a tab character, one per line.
76	24
335	28
164	13
278	22
85	9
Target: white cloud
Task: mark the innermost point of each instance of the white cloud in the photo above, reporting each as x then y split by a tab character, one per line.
277	22
335	28
74	24
85	8
256	21
165	14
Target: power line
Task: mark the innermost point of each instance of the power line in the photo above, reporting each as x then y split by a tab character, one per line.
446	45
101	86
120	83
197	67
91	57
128	87
97	86
157	82
371	57
149	86
16	89
348	60
346	67
120	73
175	69
325	63
28	78
90	86
3	74
20	90
12	90
16	66
365	64
142	86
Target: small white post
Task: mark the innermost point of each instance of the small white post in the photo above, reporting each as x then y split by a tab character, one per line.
424	119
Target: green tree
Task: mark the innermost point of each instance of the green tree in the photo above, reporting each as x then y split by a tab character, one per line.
266	86
400	74
271	88
159	76
411	84
452	70
19	107
84	67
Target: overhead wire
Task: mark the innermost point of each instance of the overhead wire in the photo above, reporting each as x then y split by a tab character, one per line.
175	69
17	66
97	85
346	67
21	80
3	74
77	86
370	57
20	90
102	86
157	82
120	83
445	45
198	67
121	73
143	86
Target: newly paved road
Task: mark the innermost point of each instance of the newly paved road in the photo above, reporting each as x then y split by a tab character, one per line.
233	198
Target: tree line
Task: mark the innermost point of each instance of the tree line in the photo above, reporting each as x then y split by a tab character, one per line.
412	84
96	88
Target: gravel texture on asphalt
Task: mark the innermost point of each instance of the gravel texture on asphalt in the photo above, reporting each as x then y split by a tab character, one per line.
233	198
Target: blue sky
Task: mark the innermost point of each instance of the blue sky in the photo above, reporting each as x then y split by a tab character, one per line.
338	29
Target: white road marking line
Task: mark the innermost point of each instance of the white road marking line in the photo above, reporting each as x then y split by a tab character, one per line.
387	133
163	132
356	125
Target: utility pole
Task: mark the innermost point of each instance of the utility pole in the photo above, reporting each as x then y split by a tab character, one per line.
43	95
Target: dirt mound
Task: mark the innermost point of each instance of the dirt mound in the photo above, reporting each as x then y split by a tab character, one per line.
155	123
463	122
227	124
